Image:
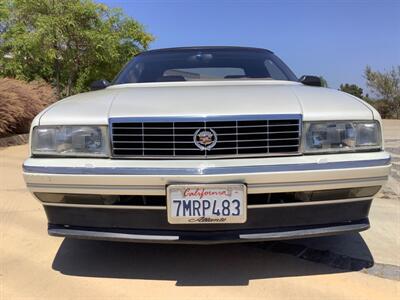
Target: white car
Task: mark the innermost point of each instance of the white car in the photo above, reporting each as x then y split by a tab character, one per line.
206	145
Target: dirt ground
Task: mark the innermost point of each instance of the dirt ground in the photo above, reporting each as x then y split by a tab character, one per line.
354	266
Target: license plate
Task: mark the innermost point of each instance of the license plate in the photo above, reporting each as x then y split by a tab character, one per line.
199	204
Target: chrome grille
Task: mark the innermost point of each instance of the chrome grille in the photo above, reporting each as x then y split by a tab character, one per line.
236	136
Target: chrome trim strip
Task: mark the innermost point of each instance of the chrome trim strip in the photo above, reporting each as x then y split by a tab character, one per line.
208	118
112	187
207	170
138	207
354	181
288	234
250	186
255	206
73	233
310	203
303	233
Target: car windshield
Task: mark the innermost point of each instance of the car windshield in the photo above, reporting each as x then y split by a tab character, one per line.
204	64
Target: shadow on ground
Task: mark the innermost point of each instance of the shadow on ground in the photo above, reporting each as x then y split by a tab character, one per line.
214	265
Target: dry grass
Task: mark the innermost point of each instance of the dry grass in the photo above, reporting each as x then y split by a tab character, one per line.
20	102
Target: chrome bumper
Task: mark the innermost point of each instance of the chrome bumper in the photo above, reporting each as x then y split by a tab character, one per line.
150	177
262	175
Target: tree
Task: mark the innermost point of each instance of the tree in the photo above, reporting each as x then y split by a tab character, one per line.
385	85
3	16
352	89
68	43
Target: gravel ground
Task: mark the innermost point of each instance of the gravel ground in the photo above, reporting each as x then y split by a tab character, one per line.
354	266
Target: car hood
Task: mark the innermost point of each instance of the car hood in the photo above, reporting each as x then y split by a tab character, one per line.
206	98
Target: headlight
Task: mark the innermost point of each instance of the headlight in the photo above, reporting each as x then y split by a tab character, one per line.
341	136
70	141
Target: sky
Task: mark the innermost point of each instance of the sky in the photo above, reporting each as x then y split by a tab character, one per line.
335	39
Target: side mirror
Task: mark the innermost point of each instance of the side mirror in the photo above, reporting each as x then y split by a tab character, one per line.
99	84
311	80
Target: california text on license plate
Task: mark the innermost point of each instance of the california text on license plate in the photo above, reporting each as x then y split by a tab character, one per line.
199	204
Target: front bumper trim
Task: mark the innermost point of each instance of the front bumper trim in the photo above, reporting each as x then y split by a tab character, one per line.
164	207
111	236
252	187
209	170
213	238
305	233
